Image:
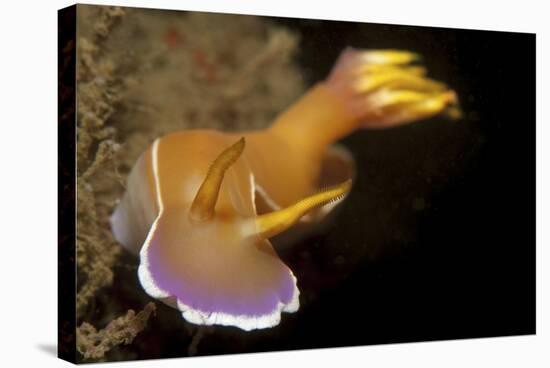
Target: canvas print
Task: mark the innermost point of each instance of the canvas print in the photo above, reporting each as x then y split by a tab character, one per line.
236	183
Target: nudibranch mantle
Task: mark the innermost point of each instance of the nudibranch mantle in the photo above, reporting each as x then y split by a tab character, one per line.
201	205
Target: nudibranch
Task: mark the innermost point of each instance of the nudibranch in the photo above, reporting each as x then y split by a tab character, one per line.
201	205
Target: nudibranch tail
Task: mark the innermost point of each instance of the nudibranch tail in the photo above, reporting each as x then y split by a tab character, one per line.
381	89
203	205
274	223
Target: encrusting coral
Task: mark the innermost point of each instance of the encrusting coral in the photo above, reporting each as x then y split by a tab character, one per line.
94	344
98	92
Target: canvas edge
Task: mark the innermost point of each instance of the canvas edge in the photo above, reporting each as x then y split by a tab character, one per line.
66	173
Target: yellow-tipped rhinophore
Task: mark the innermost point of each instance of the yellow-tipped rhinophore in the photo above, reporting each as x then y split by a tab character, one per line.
273	223
203	205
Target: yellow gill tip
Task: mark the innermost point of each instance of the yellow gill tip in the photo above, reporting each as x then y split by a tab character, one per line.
406	107
391	57
384	88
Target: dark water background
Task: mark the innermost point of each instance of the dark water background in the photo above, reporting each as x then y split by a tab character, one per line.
437	238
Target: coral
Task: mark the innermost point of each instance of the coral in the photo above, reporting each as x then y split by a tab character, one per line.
93	344
97	92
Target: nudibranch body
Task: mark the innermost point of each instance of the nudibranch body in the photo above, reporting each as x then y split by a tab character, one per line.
201	205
